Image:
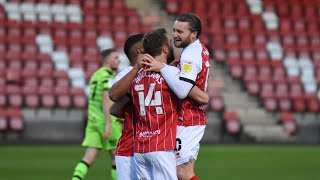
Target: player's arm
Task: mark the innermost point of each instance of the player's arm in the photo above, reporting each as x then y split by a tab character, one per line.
182	87
106	110
117	107
120	88
171	76
199	95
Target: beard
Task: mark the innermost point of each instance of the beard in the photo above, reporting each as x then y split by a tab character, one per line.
182	43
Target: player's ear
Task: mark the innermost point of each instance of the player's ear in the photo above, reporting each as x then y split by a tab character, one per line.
165	49
194	35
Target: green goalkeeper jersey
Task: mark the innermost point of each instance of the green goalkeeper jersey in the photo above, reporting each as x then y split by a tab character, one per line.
100	81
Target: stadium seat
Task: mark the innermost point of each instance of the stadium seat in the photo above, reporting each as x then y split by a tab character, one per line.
31	97
231	122
63	97
288	121
46	97
13	76
3	121
216	102
15	119
79	99
29	53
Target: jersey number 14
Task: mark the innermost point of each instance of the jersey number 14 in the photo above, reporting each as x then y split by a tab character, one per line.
148	101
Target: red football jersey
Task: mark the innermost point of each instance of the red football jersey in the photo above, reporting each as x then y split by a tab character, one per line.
194	67
126	141
157	111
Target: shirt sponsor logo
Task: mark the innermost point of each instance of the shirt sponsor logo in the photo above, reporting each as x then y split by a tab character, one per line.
186	66
145	134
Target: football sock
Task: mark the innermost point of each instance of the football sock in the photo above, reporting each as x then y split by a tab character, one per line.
114	173
80	171
194	178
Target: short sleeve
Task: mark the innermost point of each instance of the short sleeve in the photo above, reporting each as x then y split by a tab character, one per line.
122	74
191	64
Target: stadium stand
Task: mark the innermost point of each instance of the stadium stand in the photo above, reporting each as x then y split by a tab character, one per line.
49	50
269	48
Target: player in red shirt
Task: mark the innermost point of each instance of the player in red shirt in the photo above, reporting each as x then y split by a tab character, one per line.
194	71
124	83
157	111
123	109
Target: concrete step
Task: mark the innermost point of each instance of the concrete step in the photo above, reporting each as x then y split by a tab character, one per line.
254	116
213	128
267	134
238	99
307	118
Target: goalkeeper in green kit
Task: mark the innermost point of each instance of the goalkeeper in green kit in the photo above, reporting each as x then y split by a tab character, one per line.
103	130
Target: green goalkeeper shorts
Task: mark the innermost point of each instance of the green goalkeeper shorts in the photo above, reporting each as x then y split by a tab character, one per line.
94	135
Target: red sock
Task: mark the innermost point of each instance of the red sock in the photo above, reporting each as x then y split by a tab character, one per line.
194	178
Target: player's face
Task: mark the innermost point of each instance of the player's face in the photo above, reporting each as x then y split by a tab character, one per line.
181	34
114	61
136	49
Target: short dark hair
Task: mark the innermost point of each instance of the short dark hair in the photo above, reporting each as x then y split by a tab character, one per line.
154	40
133	39
105	53
193	20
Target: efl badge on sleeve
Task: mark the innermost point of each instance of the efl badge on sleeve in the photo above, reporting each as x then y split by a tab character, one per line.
186	66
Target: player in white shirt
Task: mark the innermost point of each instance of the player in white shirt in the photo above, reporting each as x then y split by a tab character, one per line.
123	108
194	70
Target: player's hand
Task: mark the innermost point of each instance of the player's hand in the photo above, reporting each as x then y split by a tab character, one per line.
107	132
140	60
152	64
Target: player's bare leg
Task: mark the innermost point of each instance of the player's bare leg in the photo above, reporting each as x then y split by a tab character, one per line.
82	167
91	155
113	168
186	171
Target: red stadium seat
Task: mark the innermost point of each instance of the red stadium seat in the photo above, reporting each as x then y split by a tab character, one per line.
104	22
47	97
14	52
29	53
13	76
75	37
231	122
90	38
31	97
288	121
15	119
63	97
216	102
91	54
3	121
14	35
79	99
29	35
14	95
60	37
172	6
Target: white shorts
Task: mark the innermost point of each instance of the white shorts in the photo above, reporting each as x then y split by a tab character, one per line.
156	165
188	143
126	168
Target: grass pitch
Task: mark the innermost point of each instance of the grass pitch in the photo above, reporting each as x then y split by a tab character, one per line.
221	162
